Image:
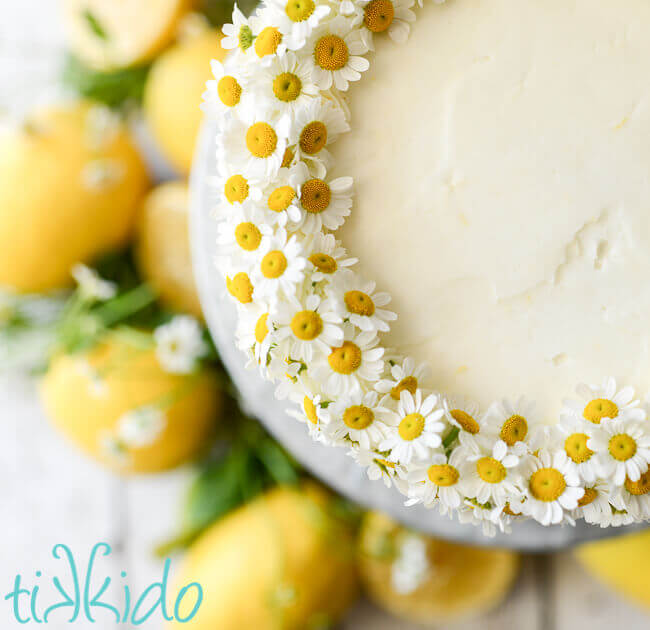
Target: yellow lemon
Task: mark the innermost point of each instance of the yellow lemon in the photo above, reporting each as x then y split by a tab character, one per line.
459	582
283	562
87	395
622	563
110	34
173	95
162	248
70	183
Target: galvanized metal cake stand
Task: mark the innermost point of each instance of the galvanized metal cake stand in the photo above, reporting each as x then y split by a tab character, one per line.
331	465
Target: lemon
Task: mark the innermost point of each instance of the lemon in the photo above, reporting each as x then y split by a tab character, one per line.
461	581
110	34
173	95
283	562
86	395
622	563
70	184
162	247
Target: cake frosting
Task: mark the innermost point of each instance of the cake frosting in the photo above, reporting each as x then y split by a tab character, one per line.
501	167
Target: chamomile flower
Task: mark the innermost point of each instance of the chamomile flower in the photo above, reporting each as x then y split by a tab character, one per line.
238	35
327	257
239	237
595	506
281	199
464	414
280	268
297	19
303	329
313	129
415	428
622	448
284	87
180	344
633	497
573	434
255	331
411	568
358	418
552	487
486	515
233	187
386	16
491	475
405	376
603	401
270	42
309	408
337	53
347	8
359	303
510	422
357	361
377	467
91	285
437	480
255	148
227	91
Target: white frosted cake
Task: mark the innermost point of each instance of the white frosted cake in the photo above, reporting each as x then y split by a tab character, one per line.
436	232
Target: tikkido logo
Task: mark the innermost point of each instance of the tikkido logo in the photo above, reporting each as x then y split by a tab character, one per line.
49	601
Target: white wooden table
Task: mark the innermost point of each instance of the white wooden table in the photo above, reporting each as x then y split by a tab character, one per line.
51	494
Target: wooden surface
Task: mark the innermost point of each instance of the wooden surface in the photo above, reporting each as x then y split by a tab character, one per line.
51	494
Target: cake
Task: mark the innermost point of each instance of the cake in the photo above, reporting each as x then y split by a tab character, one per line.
435	232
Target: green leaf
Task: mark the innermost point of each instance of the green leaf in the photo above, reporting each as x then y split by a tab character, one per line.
95	25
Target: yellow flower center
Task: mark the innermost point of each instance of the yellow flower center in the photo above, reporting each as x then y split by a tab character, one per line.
622	447
346	358
313	137
359	303
514	429
600	408
261	140
287	87
240	287
229	91
547	484
408	383
331	52
267	42
465	421
306	325
358	417
274	264
287	158
490	470
261	328
310	410
378	15
411	426
640	487
299	10
575	447
280	199
248	236
442	475
236	189
323	262
588	497
315	195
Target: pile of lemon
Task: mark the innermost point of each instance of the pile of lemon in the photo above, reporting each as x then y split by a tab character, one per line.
73	186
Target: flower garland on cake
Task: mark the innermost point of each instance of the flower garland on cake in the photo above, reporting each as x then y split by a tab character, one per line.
309	322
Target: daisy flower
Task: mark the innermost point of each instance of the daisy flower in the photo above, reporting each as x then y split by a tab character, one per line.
281	199
141	427
406	376
237	35
391	16
310	327
309	407
510	422
437	480
280	268
376	466
255	148
314	128
595	506
357	417
633	497
91	285
574	434
296	19
415	428
270	41
255	332
336	51
327	258
359	303
233	187
622	448
552	487
603	401
357	360
462	413
179	344
284	87
227	90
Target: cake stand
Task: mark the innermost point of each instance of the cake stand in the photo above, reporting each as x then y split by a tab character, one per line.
331	465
